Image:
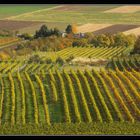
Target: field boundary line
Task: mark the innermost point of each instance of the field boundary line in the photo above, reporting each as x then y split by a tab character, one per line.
124	9
29	13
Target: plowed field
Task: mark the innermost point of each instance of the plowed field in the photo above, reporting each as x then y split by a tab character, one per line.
16	25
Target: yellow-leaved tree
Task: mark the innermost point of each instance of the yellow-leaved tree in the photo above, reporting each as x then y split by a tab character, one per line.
74	28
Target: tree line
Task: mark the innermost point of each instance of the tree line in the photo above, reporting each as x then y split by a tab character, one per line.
46	39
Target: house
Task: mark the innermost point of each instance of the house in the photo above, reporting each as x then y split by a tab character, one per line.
64	34
79	35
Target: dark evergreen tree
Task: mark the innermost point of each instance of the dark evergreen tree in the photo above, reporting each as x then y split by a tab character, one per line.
57	32
69	29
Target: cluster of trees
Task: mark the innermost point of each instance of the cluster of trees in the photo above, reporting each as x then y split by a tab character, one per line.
45	32
71	29
55	43
46	39
52	43
105	40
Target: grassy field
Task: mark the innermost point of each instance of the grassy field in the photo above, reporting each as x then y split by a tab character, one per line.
32	29
13	10
79	15
125	128
62	16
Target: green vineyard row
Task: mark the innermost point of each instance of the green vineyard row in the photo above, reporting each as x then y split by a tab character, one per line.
74	97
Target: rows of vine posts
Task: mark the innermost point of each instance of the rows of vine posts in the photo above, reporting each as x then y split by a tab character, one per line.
70	97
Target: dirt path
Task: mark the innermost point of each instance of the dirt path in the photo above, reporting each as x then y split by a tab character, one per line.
29	13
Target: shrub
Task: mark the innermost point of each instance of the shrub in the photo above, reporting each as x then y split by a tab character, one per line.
48	60
60	61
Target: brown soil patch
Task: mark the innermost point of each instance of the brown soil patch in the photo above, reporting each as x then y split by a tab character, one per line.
16	25
124	9
115	28
135	31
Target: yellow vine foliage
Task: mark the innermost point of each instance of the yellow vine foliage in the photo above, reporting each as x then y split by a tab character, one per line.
4	56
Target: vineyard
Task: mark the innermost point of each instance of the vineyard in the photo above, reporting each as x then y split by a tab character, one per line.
14	66
21	66
128	63
39	98
69	70
73	97
99	52
85	52
22	63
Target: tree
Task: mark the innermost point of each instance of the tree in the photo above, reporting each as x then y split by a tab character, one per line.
36	58
80	42
101	40
60	61
69	29
74	29
137	46
20	46
70	58
56	32
48	60
26	36
89	36
121	39
43	32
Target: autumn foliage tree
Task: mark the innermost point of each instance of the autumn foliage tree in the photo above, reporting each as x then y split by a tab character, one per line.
137	46
74	29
